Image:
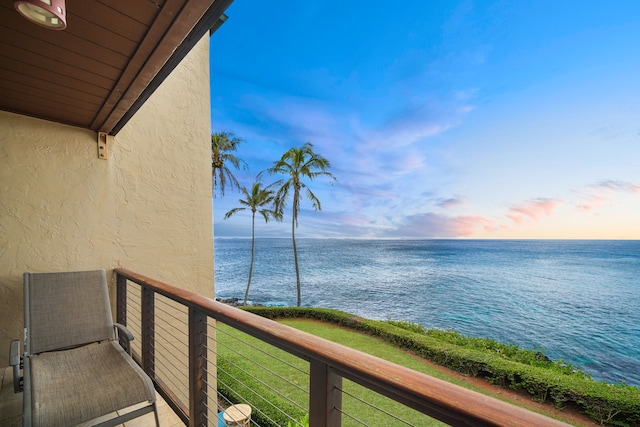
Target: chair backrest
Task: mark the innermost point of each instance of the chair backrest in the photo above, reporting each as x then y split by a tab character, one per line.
63	310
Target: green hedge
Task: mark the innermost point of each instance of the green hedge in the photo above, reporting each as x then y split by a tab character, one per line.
502	364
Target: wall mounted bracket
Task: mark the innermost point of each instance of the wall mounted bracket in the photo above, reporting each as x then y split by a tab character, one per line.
104	142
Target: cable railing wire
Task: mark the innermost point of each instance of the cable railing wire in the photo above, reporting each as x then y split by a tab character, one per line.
168	374
131	292
230	403
284	362
258	410
176	363
247	388
351	417
261	350
207	396
377	408
266	368
169	377
133	295
160	345
169	370
171	380
248	344
244	371
219	408
275	374
183	321
179	328
134	300
265	384
171	333
176	387
233	350
134	316
178	339
250	390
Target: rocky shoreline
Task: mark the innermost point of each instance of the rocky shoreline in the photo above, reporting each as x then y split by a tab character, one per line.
235	302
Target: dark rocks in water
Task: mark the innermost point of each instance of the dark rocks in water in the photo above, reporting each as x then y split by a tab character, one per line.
235	302
541	357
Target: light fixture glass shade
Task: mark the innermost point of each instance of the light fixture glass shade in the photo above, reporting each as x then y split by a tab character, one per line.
47	13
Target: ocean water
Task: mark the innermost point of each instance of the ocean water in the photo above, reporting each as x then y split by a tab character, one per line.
578	301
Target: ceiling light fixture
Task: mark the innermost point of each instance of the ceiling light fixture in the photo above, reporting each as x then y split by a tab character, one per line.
51	14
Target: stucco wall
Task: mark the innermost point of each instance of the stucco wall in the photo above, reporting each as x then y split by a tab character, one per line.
146	208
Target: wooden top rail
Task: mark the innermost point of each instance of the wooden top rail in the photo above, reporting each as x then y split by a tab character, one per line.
439	399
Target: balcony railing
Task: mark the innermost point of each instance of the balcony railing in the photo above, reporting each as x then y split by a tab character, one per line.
187	377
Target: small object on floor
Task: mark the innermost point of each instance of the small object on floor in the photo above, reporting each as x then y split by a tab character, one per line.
237	416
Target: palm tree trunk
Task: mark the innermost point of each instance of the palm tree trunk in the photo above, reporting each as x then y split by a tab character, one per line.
253	243
295	258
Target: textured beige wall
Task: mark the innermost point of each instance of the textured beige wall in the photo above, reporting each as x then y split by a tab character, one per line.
147	208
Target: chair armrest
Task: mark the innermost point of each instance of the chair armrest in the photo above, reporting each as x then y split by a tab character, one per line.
14	360
121	329
124	336
14	353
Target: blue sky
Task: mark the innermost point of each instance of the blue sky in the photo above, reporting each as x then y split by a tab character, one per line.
441	119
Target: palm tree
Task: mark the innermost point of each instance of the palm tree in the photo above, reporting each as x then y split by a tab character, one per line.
257	199
298	163
222	143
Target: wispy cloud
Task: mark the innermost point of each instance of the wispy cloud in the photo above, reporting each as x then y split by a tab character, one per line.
594	202
616	186
603	193
405	129
451	202
532	209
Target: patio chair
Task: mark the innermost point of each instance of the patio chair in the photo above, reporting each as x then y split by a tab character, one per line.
74	367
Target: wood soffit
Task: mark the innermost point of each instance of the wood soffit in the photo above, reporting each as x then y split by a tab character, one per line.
99	71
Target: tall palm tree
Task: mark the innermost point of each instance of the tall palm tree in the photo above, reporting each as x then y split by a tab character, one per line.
259	200
222	143
296	164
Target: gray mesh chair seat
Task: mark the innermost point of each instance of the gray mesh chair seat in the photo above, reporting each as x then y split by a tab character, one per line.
74	368
92	377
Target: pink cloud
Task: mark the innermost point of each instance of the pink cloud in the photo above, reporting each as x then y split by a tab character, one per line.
515	218
595	202
603	193
466	226
532	209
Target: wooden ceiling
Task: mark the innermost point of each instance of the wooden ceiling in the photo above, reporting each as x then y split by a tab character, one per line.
97	72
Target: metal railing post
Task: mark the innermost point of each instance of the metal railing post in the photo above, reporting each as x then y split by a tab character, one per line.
121	299
325	396
198	412
148	331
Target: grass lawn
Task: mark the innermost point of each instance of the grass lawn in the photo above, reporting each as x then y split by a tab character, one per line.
371	345
272	376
